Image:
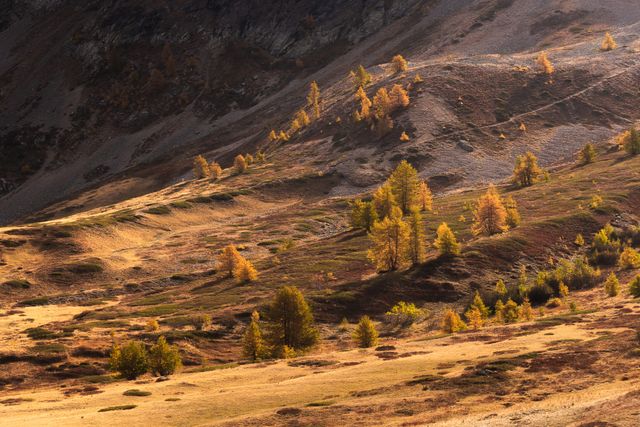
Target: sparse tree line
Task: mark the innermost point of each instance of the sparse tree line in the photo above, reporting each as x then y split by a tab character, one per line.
203	169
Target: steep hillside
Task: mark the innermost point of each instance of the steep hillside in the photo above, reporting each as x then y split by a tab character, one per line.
515	286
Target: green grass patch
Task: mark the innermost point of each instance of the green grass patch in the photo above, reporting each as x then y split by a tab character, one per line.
158	210
34	302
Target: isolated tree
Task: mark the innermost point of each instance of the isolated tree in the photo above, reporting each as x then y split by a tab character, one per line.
608	43
384	200
405	185
418	79
273	136
417	238
563	290
629	259
544	64
293	324
490	216
399	64
634	287
587	154
228	259
216	170
478	304
365	334
168	60
164	359
446	241
365	104
404	137
361	77
313	99
579	240
253	344
399	98
201	167
240	164
501	289
130	360
513	216
612	285
451	322
390	243
526	170
245	272
249	159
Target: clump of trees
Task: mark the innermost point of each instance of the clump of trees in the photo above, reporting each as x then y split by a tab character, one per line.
634	287
363	214
235	265
492	215
526	171
133	360
290	328
378	112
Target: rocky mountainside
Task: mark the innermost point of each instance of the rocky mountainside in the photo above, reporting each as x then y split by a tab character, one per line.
125	93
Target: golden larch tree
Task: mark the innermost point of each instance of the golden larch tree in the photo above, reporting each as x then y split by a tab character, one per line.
425	197
405	185
390	240
365	104
490	214
245	272
365	334
216	170
526	170
400	65
417	240
313	99
384	200
399	97
228	259
253	344
544	64
201	168
446	241
608	43
240	164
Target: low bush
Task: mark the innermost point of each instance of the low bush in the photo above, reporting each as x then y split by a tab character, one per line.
404	314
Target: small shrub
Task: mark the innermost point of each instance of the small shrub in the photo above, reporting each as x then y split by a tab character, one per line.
629	259
526	311
240	164
595	202
365	334
510	312
164	359
400	64
130	360
579	240
344	325
587	155
573	307
404	314
152	325
540	293
612	285
200	322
